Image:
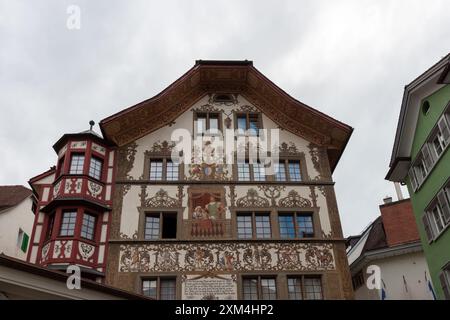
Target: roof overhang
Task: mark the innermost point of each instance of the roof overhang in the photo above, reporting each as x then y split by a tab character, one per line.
430	81
237	77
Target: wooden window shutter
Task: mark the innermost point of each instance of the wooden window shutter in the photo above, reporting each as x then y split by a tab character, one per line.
444	285
412	178
426	224
444	128
443	202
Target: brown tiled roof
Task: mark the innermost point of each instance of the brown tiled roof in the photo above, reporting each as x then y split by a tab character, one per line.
11	196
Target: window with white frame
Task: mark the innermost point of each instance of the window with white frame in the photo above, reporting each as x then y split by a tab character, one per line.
437	218
444	278
431	151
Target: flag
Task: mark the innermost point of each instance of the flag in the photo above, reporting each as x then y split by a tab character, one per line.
383	290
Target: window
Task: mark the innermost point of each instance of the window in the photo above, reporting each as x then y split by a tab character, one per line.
164	169
69	220
60	167
250	122
313	288
259	172
250	172
281	173
88	226
304	287
162	225
206	121
358	280
293	172
296	225
444	278
253	225
437	217
51	222
259	288
95	168
160	288
156	169
172	171
431	152
243	171
77	164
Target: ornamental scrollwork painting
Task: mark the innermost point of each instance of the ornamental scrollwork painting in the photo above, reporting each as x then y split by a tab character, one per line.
319	159
294	200
252	200
125	161
272	192
161	148
228	256
207	108
161	199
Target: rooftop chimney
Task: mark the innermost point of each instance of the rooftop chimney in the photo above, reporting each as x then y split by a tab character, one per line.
387	200
399	191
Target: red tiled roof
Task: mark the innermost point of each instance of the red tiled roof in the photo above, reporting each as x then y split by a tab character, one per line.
11	196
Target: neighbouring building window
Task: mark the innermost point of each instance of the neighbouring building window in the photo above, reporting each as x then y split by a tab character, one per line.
88	226
431	152
259	288
253	225
296	225
68	223
77	164
204	121
160	288
95	168
444	278
250	122
164	169
304	288
160	225
437	217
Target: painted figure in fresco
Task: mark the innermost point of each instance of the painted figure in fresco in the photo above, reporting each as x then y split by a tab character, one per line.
214	208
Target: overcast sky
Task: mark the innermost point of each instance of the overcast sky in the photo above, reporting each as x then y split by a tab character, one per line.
349	59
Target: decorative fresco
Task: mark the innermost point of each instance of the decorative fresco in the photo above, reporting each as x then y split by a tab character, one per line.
226	257
208	213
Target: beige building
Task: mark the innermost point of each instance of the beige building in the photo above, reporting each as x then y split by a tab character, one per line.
126	210
16	220
390	247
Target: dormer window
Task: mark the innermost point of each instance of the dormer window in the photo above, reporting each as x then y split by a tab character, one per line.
95	168
77	164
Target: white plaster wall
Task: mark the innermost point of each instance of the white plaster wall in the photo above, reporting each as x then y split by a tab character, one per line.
11	220
412	266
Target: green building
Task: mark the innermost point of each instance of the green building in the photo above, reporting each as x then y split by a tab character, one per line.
421	159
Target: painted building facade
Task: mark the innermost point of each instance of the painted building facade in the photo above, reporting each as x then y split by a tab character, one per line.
421	159
208	229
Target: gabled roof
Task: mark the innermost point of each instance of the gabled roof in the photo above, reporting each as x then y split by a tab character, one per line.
11	196
424	85
236	77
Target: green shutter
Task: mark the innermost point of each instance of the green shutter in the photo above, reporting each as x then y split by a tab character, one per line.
25	240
